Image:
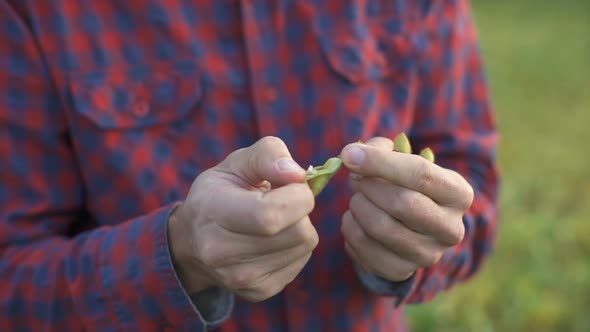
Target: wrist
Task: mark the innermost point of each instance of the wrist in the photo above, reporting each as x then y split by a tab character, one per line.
191	277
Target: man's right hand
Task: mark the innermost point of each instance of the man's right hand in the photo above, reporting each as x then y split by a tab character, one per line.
244	225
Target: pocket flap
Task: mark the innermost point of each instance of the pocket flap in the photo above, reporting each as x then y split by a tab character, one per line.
370	55
124	99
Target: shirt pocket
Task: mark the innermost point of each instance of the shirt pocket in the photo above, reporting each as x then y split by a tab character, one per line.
136	97
374	56
373	61
133	129
371	40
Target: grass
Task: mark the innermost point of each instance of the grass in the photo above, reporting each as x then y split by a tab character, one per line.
538	62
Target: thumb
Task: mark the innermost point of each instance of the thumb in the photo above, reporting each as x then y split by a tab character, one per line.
266	160
380	142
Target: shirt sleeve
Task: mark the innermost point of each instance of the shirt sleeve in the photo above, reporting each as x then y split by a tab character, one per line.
453	116
56	275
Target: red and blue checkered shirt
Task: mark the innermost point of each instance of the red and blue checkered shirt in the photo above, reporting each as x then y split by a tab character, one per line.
110	109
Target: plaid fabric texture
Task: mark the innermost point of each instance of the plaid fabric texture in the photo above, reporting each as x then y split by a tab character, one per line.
109	110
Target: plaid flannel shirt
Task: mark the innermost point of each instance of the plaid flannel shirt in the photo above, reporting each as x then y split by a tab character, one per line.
110	109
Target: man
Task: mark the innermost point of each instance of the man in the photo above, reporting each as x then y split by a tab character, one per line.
151	159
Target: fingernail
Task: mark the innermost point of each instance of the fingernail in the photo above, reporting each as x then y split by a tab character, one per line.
288	165
354	155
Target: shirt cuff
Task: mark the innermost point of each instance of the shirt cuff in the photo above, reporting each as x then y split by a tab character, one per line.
215	305
399	290
137	273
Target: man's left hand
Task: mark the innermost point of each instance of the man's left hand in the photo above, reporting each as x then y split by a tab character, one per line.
405	212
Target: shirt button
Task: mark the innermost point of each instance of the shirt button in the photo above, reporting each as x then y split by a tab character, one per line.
270	94
141	109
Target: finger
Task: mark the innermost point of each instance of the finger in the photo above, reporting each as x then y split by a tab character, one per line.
382	143
280	259
261	213
268	159
397	273
353	181
407	170
392	234
236	248
373	256
415	210
356	258
249	273
379	142
301	232
273	283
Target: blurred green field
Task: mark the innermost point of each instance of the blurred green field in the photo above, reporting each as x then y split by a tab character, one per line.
538	62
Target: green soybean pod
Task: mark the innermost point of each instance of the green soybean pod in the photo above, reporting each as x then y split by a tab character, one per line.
401	143
427	154
318	177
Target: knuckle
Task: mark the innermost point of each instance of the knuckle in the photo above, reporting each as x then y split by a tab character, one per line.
234	155
268	291
266	220
424	176
401	275
463	189
403	270
306	234
358	237
240	278
237	152
302	200
300	231
312	240
269	142
356	201
262	147
455	233
427	257
468	195
210	254
355	236
309	200
406	200
378	226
